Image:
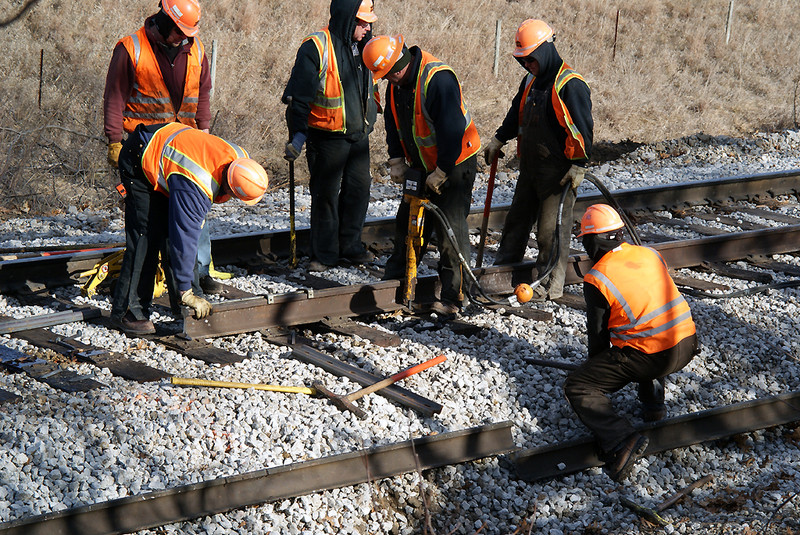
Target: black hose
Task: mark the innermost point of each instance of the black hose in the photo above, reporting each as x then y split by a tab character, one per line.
741	293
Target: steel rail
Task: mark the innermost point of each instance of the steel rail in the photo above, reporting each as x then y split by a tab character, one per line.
712	424
134	513
54	270
247	315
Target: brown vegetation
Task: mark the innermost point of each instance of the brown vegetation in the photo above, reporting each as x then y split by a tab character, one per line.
669	73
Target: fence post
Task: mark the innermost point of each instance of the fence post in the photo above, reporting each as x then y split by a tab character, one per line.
41	76
616	29
728	23
213	68
497	47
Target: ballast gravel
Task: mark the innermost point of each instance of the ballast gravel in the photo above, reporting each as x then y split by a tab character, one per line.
60	450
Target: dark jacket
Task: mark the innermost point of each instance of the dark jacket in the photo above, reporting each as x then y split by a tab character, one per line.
444	108
172	61
360	106
575	94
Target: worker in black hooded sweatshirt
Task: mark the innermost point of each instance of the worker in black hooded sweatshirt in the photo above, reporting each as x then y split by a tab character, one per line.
332	110
551	116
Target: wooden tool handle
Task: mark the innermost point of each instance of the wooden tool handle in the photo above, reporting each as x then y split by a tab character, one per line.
396	377
185	381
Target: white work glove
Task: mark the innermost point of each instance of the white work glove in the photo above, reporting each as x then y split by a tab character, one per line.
435	181
202	308
397	169
574	176
493	151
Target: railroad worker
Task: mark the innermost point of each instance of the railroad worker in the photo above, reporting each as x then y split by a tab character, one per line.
173	174
640	330
332	110
161	74
551	116
428	128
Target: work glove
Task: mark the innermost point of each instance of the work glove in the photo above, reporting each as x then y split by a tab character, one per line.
397	169
113	153
574	176
294	147
493	151
435	180
202	308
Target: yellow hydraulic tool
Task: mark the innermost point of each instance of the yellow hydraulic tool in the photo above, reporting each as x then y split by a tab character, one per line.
108	268
413	188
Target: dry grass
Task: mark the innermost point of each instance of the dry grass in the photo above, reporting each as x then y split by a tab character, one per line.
671	75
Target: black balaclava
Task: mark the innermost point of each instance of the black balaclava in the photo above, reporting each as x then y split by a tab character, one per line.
164	24
597	245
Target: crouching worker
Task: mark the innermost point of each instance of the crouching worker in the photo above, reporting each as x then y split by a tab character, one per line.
173	173
640	329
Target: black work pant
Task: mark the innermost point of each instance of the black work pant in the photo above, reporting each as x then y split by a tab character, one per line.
455	201
146	235
536	200
587	388
339	184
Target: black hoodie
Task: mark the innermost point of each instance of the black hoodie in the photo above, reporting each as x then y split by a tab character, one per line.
575	94
360	107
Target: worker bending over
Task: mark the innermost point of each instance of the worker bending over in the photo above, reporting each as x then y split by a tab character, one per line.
428	128
332	110
173	173
551	116
157	75
640	330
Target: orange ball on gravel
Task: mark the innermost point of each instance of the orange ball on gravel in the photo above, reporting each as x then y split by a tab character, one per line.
524	292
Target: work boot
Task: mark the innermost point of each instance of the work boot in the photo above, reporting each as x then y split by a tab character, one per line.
211	286
446	311
130	325
364	257
624	456
315	266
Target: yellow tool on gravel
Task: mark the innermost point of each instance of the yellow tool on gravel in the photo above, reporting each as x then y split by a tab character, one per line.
226	384
109	267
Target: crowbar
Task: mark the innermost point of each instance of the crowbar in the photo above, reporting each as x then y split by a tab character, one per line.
487	209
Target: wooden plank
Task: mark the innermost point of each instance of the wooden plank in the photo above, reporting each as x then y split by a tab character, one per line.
46	372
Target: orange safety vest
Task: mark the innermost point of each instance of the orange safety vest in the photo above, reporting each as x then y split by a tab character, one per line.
200	157
647	311
149	101
327	109
575	147
422	129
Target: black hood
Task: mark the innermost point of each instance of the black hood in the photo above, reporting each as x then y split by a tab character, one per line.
343	19
549	63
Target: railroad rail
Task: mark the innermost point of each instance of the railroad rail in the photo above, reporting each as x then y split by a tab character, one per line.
38	271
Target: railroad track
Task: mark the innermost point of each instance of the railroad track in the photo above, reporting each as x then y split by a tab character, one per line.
711	251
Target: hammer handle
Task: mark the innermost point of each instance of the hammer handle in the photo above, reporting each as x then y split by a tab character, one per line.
394	378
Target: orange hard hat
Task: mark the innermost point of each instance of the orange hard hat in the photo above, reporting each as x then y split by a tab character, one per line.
247	180
600	218
381	53
366	12
530	35
185	14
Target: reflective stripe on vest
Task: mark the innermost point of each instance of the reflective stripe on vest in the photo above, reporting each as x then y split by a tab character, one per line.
423	129
200	157
327	109
636	284
574	146
149	101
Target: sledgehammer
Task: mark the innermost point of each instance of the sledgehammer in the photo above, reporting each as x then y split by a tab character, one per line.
345	402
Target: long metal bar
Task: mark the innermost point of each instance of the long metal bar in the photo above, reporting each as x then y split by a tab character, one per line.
56	269
247	315
127	515
48	320
576	455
